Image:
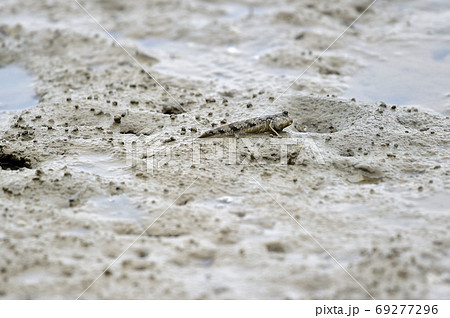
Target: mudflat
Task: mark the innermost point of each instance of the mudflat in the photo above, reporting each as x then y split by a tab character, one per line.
107	159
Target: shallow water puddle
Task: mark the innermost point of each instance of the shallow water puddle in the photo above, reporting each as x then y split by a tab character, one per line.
96	163
16	93
436	203
237	11
77	231
101	164
188	59
412	74
235	65
34	276
222	202
114	207
16	90
408	69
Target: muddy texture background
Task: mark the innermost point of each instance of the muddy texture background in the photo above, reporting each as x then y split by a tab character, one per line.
106	151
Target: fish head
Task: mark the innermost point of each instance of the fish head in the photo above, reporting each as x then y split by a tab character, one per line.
283	120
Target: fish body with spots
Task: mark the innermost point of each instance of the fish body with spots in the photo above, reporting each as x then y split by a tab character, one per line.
270	123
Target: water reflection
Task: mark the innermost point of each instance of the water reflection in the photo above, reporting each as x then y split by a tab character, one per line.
16	90
411	66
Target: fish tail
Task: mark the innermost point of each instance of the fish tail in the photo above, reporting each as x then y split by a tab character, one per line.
208	133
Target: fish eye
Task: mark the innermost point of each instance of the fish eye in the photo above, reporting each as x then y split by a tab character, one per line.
285	113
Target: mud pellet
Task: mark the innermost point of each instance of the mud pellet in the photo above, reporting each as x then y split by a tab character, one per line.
169	139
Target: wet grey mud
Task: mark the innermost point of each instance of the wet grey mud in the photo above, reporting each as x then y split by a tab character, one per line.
93	150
